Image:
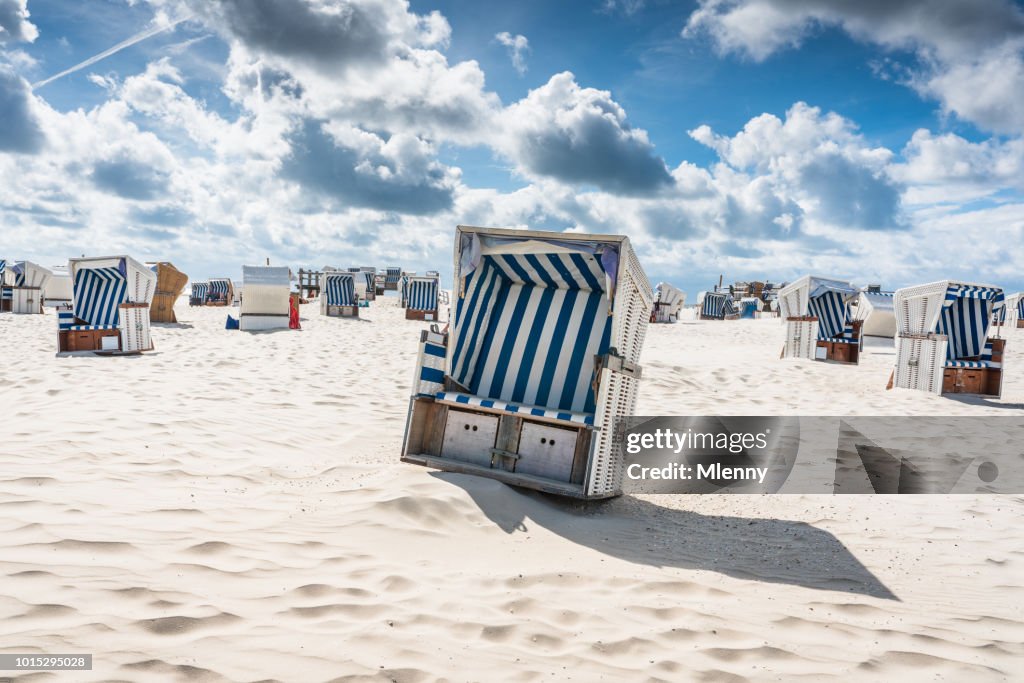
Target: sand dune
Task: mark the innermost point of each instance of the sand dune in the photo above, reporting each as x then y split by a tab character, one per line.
231	507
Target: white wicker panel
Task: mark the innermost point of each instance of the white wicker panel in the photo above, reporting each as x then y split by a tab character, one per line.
919	363
134	324
26	300
616	398
801	338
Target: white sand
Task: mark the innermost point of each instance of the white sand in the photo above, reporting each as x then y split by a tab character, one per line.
231	507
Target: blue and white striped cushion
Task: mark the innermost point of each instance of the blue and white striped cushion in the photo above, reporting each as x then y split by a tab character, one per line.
422	294
76	328
340	289
97	294
371	280
832	312
516	408
527	328
65	320
392	275
965	321
977	364
6	293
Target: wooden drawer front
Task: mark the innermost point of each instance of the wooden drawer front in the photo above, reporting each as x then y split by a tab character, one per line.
88	340
546	451
469	437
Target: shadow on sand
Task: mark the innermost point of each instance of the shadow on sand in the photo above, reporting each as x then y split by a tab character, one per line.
635	530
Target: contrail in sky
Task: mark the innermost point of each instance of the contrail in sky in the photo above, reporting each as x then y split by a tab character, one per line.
138	37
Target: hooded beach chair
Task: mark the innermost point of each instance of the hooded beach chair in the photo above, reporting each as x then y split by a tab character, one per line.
110	306
265	298
200	290
668	302
170	283
877	315
539	358
6	294
749	307
943	342
717	306
1014	310
338	298
28	283
819	320
392	278
422	297
221	292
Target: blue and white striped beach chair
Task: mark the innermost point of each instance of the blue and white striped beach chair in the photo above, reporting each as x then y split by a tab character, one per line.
538	359
200	291
717	306
422	297
220	292
6	293
110	298
943	343
392	278
339	295
819	320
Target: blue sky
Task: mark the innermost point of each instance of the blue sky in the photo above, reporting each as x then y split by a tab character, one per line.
878	141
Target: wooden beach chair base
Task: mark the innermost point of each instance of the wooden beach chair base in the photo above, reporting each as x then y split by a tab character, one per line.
343	311
420	315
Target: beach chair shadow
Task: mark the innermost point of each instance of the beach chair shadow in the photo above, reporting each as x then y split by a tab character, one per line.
638	531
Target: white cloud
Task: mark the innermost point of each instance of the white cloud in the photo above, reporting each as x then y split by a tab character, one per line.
517	46
14	23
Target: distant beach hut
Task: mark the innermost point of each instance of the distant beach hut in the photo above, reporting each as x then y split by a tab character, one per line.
819	320
668	302
59	289
391	278
876	313
944	343
27	285
540	356
421	297
717	306
338	294
170	283
265	298
110	306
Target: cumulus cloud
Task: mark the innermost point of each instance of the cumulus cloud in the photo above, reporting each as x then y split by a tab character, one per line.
970	56
21	130
14	23
517	46
361	169
580	136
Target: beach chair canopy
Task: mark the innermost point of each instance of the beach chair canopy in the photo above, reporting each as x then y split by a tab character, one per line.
826	299
533	309
962	311
669	295
422	293
28	274
339	289
392	274
100	285
717	305
220	288
877	312
200	290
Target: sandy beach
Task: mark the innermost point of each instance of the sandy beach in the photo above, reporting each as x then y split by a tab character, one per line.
231	507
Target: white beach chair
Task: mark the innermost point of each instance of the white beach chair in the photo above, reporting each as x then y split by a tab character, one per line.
819	320
266	302
110	306
539	359
877	315
28	283
943	342
668	302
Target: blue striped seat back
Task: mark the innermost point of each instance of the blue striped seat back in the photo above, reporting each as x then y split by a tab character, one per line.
340	289
97	293
199	290
371	280
713	305
219	288
527	328
1020	308
18	270
832	312
966	322
6	293
65	319
392	274
422	294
